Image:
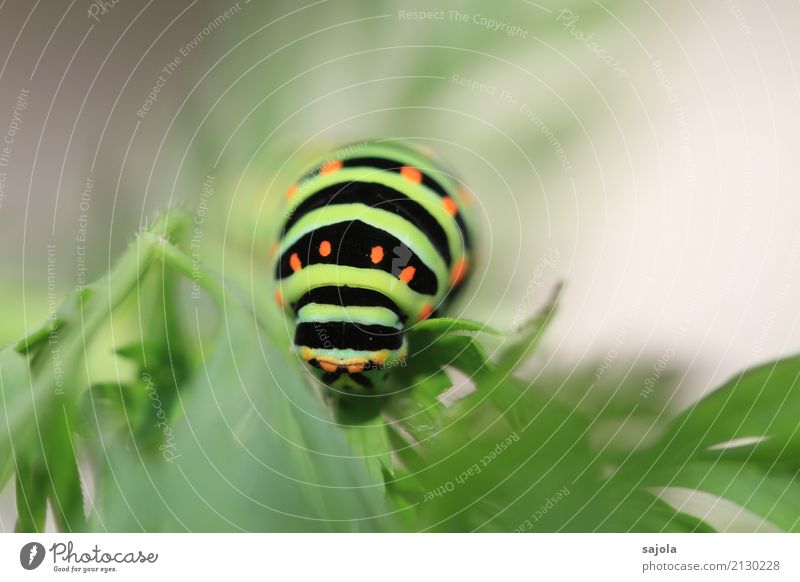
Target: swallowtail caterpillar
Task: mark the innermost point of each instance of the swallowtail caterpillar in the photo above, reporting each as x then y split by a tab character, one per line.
376	238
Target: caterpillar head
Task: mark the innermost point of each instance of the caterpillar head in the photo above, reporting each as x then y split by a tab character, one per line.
352	349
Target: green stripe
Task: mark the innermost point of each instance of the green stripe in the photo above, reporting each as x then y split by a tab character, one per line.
396	225
363	314
429	200
321	275
429	166
406	154
346	354
413	157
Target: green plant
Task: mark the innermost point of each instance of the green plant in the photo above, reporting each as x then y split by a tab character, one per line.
193	415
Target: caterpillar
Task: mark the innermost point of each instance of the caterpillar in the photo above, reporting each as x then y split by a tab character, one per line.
376	238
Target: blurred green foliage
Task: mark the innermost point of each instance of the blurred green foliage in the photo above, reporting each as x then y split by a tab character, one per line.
225	431
139	406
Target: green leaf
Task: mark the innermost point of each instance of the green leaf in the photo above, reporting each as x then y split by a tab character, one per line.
366	433
40	392
65	491
106	408
760	402
782	452
417	409
6	471
680	522
253	449
483	473
35	340
32	488
438	326
774	496
520	350
16	396
463	353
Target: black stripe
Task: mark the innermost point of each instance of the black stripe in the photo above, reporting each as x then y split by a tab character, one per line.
359	378
394	166
388	165
462	226
346	296
328	377
344	335
377	196
351	244
362	380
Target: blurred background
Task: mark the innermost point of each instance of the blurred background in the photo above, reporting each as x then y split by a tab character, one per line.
644	153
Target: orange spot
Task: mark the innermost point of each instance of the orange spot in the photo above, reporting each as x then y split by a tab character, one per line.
459	271
411	174
279	297
325	248
294	262
273	249
449	206
355	368
291	191
407	274
376	255
425	312
330	167
466	195
328	366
